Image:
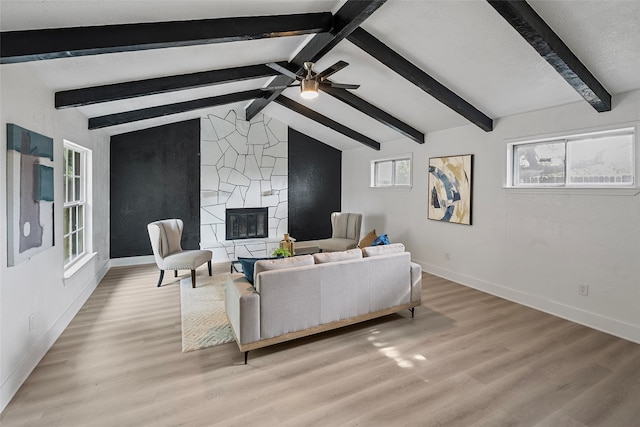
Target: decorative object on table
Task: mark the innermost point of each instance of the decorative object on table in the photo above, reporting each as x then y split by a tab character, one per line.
281	253
287	243
203	314
368	239
450	188
165	239
345	232
29	194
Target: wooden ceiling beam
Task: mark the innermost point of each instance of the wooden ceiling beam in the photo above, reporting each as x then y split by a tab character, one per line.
126	90
521	16
376	113
415	75
348	18
33	45
165	110
324	120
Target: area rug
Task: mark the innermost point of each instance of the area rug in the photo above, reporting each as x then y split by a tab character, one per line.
204	319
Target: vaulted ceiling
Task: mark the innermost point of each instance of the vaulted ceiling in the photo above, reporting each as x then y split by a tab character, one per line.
422	66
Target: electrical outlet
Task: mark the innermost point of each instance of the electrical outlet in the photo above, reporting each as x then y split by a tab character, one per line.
32	322
583	290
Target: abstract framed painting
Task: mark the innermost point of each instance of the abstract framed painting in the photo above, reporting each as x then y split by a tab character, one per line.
29	194
450	188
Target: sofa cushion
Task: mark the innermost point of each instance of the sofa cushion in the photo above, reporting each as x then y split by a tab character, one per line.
393	248
248	266
368	239
325	257
280	263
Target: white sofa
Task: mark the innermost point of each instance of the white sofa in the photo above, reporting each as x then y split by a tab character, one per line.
304	295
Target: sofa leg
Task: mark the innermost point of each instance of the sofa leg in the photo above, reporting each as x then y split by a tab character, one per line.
175	273
161	276
209	265
193	278
412	311
246	356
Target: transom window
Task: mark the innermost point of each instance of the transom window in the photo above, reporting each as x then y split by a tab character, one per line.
391	172
594	160
74	224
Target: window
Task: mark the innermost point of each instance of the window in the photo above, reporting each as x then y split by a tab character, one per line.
391	172
75	202
595	160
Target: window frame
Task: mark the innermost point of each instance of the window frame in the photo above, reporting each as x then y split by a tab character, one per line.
79	201
566	139
373	181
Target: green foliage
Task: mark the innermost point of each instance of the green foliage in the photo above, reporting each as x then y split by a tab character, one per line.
281	252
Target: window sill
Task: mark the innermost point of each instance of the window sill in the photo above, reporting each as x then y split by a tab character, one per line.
78	264
392	187
575	191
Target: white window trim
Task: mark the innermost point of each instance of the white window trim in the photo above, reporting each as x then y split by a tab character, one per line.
408	156
79	262
631	190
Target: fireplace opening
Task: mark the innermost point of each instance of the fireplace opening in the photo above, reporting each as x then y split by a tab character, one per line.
247	223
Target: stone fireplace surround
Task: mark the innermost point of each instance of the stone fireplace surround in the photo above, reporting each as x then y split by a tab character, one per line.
244	164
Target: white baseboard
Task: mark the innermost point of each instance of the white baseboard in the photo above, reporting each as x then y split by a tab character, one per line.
611	326
217	267
132	260
19	375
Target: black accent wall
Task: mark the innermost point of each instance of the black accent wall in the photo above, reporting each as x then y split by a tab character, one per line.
315	183
155	174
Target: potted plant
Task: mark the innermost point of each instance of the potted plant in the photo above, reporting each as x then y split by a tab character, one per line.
281	253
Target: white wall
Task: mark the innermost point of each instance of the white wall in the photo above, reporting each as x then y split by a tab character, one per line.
37	287
532	247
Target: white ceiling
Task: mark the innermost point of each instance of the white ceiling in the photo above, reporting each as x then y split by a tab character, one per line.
465	45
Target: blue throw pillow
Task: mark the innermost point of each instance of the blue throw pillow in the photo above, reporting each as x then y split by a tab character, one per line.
381	240
247	267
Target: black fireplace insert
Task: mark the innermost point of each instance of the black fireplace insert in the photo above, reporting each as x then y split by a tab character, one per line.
247	223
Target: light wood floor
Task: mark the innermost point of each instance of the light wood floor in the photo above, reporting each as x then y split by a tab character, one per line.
466	359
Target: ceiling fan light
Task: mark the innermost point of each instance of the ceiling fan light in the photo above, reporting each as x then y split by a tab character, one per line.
309	89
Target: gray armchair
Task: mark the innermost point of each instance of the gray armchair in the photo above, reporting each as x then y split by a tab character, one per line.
345	232
165	238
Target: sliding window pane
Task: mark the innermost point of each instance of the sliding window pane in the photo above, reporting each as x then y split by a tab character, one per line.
601	162
384	173
403	172
539	164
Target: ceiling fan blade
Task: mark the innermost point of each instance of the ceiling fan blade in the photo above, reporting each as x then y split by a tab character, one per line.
332	69
282	70
278	87
340	85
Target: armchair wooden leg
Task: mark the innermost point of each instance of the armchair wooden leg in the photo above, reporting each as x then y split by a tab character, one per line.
209	265
161	276
175	273
193	278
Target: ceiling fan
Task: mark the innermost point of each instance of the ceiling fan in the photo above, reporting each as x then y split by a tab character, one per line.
311	82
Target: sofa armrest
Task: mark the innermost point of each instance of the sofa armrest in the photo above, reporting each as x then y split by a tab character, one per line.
242	303
416	282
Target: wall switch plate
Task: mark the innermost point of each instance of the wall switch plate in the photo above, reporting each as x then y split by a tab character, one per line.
583	290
